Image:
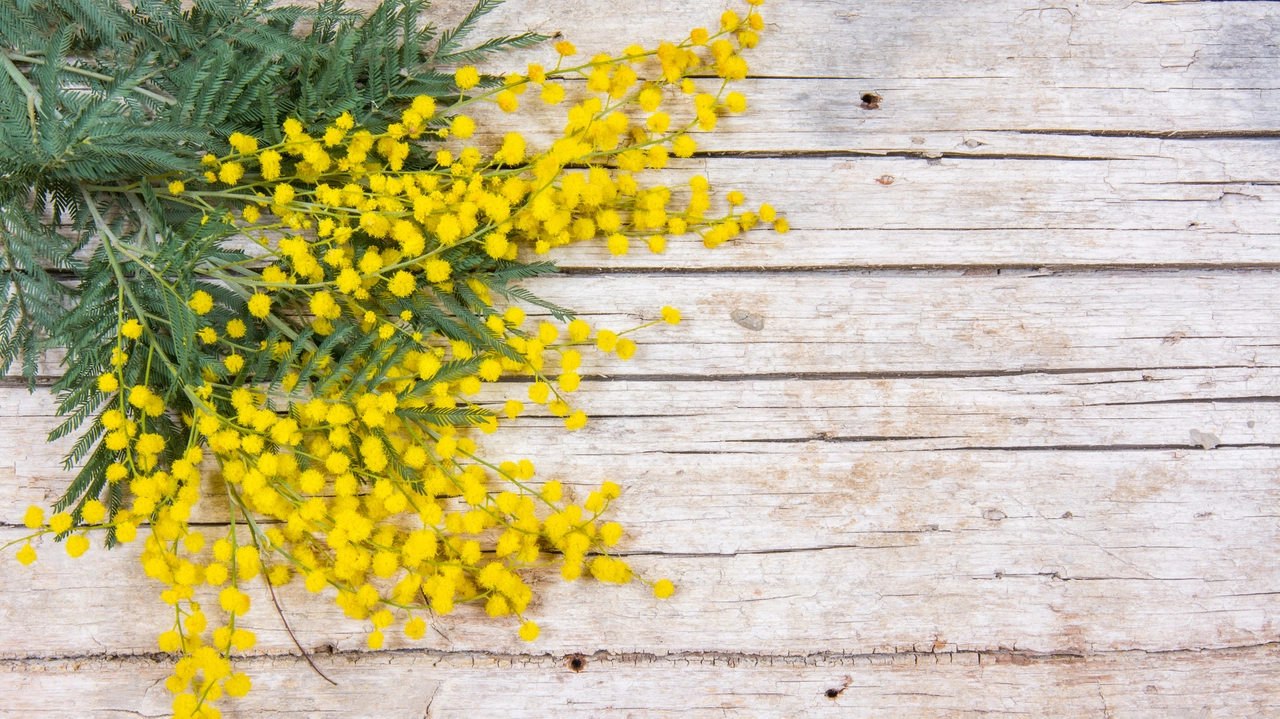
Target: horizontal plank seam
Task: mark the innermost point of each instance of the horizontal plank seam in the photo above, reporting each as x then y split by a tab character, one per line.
884	269
1102	448
925	269
43	381
834	154
581	81
16	662
1265	399
921	374
1146	134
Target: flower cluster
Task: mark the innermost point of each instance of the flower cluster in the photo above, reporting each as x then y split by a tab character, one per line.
340	362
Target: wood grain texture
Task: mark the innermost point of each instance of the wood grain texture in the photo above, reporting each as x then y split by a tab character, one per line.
1005	445
1105	44
1027	555
1173	207
974	321
927	685
1041	512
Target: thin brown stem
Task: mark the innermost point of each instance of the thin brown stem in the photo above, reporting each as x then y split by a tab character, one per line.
285	622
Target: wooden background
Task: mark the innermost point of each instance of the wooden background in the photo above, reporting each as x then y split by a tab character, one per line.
1006	444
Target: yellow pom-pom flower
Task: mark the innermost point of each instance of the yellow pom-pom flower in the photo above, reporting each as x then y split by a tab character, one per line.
552	94
415	628
33	518
466	77
26	555
108	383
401	284
231	173
77	545
438	270
216	574
626	348
126	532
237	685
370	229
259	305
60	522
284	194
93	511
242	143
606	340
462	126
201	302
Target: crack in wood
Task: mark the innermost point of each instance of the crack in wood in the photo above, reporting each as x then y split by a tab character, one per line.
44	381
840	438
915	269
1262	398
1002	271
1149	134
674	658
1102	447
834	154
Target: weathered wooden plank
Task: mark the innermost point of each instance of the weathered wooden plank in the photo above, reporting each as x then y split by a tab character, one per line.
876	523
939	577
1098	44
866	544
849	322
1139	203
929	424
843	549
1177	686
1127	202
1102	411
937	323
825	431
1183	208
988	249
957	589
1120	201
816	115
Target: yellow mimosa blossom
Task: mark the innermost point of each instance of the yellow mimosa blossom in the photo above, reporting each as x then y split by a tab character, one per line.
370	329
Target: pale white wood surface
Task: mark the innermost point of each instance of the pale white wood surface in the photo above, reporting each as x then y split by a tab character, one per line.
961	471
463	685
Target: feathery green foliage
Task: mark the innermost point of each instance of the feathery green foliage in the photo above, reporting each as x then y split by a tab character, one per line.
247	229
96	96
98	99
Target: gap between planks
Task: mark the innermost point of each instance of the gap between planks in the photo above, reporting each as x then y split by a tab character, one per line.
897	686
941	653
